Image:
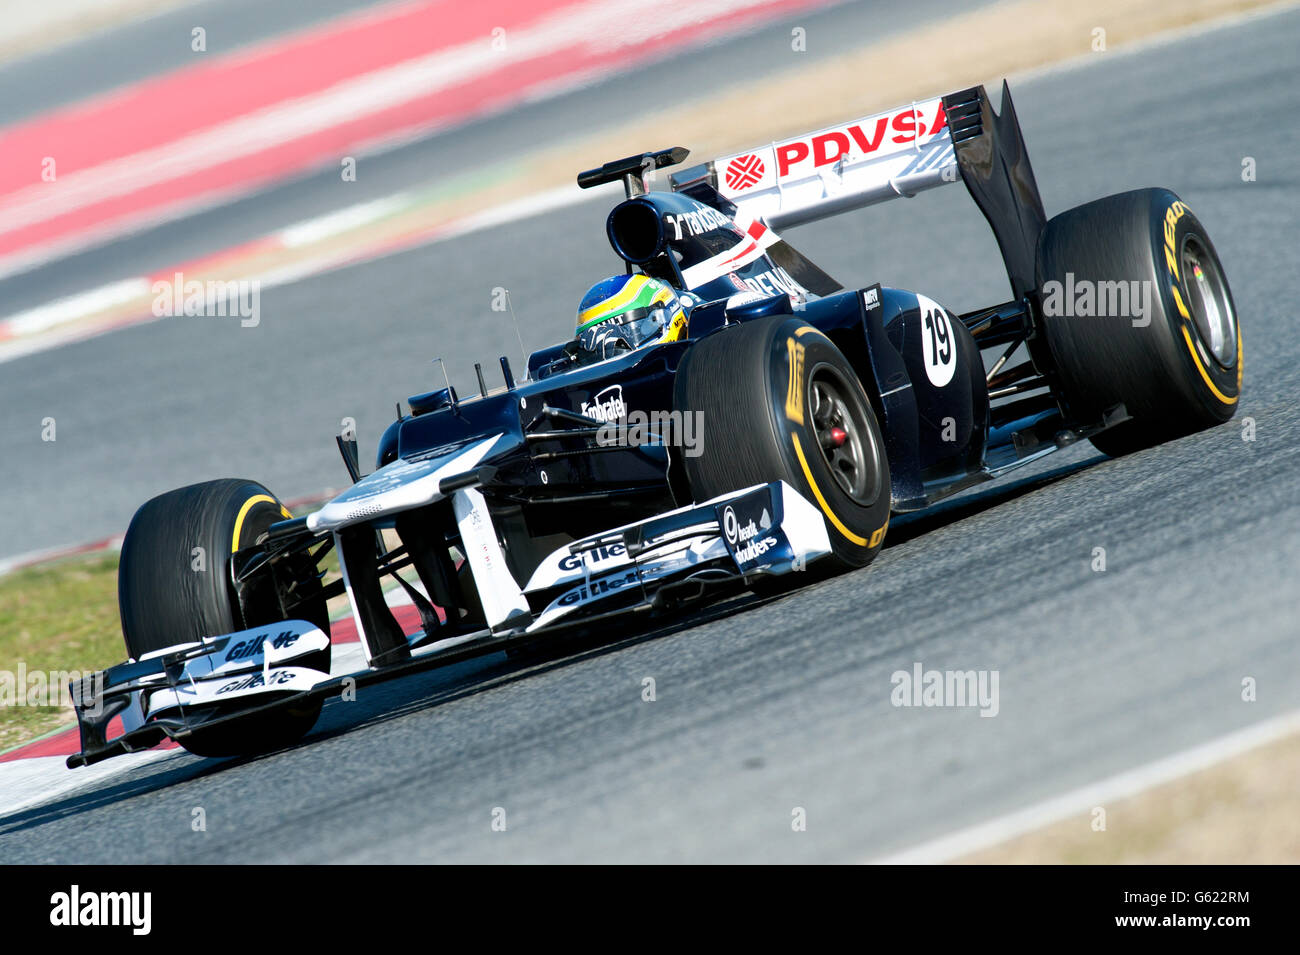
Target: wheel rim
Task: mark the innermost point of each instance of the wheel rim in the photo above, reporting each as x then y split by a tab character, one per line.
843	436
1211	309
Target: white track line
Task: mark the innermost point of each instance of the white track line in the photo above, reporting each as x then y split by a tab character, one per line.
25	783
342	220
64	310
1081	801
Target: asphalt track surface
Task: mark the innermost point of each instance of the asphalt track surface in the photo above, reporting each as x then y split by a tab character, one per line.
765	707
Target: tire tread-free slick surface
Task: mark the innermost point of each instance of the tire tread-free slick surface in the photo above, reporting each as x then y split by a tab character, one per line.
1103	360
740	380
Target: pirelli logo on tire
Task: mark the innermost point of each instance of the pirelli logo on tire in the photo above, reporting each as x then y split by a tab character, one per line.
1175	212
1172	215
794	391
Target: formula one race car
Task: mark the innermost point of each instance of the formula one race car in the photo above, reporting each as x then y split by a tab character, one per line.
770	424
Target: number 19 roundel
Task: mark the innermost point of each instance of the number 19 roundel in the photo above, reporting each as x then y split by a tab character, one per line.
938	342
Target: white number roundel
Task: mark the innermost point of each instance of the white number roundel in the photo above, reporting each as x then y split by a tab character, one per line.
938	342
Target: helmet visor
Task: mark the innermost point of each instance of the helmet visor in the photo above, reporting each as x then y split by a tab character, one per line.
630	330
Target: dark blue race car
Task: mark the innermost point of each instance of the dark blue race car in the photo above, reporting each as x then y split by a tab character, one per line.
725	416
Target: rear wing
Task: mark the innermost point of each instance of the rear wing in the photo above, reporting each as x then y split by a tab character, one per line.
899	152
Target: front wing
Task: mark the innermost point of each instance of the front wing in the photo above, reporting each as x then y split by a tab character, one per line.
646	566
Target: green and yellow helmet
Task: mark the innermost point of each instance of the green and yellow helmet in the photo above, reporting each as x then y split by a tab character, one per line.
626	312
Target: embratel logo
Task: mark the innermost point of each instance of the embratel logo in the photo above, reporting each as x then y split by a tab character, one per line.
744	171
607	405
75	908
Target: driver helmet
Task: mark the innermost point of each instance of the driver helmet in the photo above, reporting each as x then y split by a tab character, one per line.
627	312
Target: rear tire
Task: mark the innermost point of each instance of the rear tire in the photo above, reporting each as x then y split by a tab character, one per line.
170	592
770	391
1176	369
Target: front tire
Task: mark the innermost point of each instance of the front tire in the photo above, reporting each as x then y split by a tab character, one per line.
174	587
780	402
1176	369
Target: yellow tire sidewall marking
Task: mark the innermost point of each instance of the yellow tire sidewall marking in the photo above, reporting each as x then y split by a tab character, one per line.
1205	375
243	512
1172	215
876	537
794	387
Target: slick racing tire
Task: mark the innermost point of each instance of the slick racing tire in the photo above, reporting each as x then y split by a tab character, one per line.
170	593
780	402
1172	355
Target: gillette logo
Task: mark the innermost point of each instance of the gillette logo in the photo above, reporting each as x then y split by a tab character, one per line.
249	648
598	588
594	557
